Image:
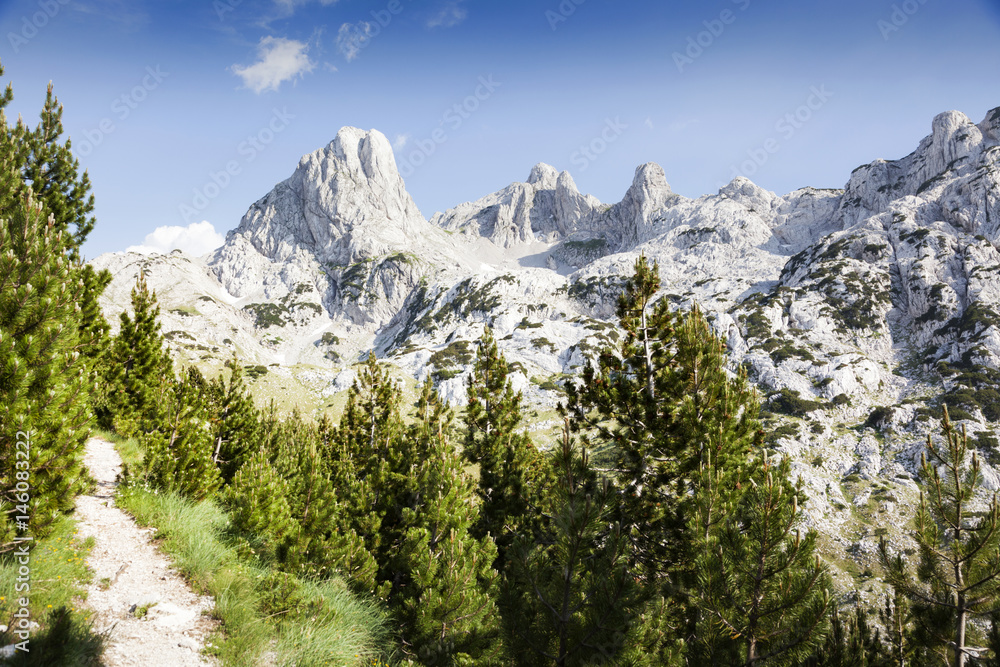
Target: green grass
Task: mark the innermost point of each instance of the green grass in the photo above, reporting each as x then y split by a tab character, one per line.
65	635
291	619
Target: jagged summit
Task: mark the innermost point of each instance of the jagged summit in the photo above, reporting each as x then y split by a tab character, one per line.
345	205
343	202
544	176
546	208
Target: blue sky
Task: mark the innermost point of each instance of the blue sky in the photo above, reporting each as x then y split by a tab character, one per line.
184	112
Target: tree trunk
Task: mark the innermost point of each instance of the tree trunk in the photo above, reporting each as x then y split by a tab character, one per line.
960	633
650	388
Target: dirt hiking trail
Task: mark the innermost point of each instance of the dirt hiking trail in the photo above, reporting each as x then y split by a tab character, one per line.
132	576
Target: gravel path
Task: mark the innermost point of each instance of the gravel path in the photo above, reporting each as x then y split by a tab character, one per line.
174	629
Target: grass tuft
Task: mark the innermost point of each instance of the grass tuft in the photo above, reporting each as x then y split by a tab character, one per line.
65	634
266	615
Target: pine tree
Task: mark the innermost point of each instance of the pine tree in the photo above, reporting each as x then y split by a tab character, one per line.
896	618
93	326
235	422
666	402
445	602
43	378
851	643
368	462
179	454
682	432
257	503
45	340
510	468
763	591
139	369
958	574
568	595
52	172
311	498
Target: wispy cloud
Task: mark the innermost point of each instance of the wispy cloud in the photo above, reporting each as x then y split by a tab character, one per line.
450	15
196	239
280	60
128	15
290	5
399	143
352	37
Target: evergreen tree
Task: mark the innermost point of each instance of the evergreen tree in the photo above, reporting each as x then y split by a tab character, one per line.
896	618
235	422
682	432
179	454
851	643
569	597
311	498
93	326
45	340
445	603
761	585
509	465
665	401
52	172
44	412
257	502
139	369
369	462
958	575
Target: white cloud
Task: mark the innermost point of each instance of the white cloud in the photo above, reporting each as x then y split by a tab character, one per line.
352	37
280	60
450	15
399	143
196	239
290	5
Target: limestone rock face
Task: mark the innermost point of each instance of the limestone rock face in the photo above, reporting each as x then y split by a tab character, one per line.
344	203
547	207
342	222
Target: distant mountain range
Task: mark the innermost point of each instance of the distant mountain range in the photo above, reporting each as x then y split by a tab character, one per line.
856	311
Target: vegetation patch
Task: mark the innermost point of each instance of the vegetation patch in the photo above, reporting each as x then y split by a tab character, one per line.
279	314
255	372
788	402
449	362
295	619
66	634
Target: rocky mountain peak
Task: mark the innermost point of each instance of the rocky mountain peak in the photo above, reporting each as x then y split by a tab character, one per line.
344	206
990	126
543	176
633	216
547	207
343	202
